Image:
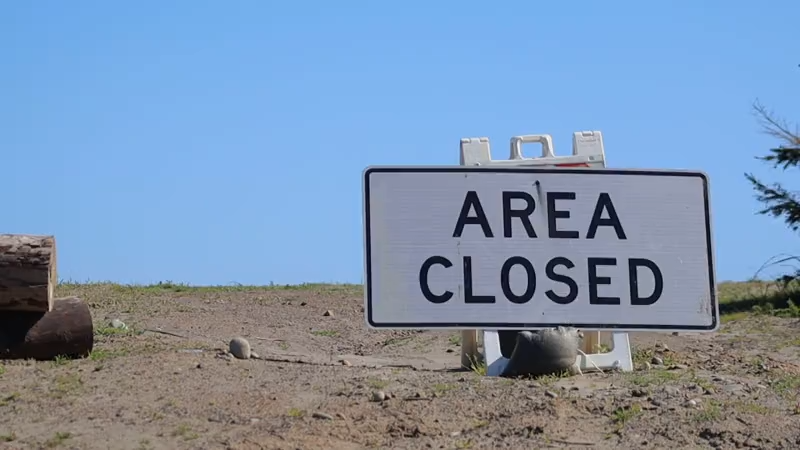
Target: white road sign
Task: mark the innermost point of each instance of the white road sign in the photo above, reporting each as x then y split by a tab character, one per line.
517	248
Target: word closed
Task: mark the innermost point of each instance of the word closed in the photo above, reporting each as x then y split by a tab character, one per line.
532	248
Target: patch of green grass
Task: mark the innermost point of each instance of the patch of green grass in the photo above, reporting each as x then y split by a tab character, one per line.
377	384
455	339
60	360
185	432
645	355
107	330
294	412
623	415
2	369
787	385
655	377
548	380
283	345
477	365
8	399
326	333
99	354
68	287
8	437
708	412
463	444
397	341
750	407
58	439
66	384
442	388
759	297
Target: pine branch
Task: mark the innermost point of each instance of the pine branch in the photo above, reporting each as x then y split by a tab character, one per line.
779	202
783	156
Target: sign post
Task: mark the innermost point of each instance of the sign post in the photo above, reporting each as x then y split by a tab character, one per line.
521	244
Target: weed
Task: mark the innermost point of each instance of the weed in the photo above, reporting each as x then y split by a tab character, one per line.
100	354
442	388
467	443
8	399
377	384
326	333
708	412
653	377
66	384
2	369
283	345
294	412
455	339
787	385
623	415
8	437
184	431
477	365
59	438
60	360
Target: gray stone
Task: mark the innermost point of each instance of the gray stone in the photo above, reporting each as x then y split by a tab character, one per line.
543	352
240	348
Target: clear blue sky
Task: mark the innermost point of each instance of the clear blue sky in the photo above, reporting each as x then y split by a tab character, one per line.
218	142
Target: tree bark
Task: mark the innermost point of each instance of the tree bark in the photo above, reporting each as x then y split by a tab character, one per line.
27	272
66	330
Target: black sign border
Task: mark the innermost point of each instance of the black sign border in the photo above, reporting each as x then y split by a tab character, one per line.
521	326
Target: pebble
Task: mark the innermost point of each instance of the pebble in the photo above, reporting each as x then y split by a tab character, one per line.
378	396
328	313
118	324
691	403
346	363
240	348
657	361
322	415
638	393
551	394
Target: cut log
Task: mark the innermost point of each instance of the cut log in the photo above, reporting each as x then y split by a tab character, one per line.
27	272
66	330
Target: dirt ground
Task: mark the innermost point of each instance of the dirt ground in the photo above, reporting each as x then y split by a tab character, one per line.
320	368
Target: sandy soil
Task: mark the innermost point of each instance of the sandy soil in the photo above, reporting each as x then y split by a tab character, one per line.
314	383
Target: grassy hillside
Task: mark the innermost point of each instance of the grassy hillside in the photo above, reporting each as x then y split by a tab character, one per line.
735	298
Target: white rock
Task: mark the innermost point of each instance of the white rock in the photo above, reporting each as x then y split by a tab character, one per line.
240	348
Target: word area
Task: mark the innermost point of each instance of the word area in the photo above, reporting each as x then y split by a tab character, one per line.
604	215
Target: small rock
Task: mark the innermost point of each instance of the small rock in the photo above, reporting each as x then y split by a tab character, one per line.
346	363
455	433
656	361
328	313
341	416
240	348
254	355
321	415
303	303
709	391
449	350
638	393
378	396
551	394
118	324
